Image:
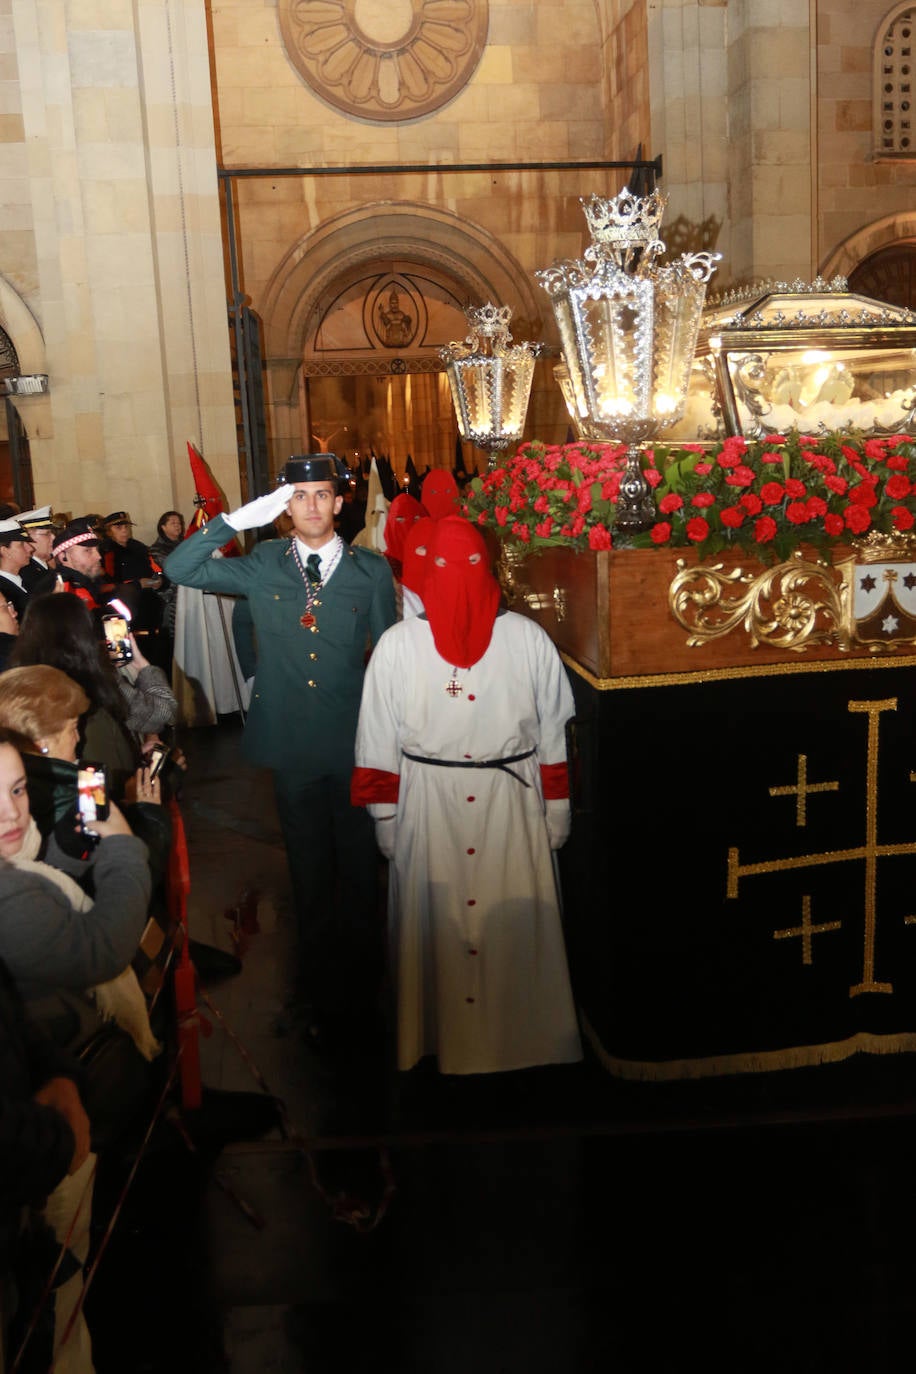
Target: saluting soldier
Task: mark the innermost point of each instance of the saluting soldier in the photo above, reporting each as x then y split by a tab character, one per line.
316	605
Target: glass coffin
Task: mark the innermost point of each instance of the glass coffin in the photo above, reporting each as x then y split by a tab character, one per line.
808	357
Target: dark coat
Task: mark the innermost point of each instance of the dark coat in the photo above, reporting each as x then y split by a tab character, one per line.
307	687
36	1143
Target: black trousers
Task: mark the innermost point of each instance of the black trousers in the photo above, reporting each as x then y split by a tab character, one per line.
333	865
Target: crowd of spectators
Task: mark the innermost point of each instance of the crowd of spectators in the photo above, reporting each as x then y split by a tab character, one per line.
84	842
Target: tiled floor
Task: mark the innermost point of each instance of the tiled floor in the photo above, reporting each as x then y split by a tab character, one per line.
551	1221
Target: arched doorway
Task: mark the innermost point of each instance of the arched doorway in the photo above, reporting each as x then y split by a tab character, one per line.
371	368
340	352
888	275
15	459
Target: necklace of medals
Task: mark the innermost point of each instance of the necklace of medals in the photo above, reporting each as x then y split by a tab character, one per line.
308	620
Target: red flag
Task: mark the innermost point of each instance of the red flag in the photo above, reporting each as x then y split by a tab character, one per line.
208	500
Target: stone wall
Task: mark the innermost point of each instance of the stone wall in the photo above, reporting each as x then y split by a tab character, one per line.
533	93
111	238
857	188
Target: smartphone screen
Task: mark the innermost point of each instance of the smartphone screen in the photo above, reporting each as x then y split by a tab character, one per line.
158	755
117	631
92	793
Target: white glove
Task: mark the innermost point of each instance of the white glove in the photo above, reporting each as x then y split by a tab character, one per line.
386	834
558	817
263	510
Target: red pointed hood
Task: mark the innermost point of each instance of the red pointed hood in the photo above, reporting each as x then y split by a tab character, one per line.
460	594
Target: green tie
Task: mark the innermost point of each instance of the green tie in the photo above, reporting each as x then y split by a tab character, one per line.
313	568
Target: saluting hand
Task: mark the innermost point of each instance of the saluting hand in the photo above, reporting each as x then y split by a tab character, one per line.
263	510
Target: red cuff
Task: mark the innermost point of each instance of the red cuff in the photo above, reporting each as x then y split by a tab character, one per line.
368	785
554	781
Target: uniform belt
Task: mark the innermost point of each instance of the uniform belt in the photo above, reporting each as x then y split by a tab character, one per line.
501	764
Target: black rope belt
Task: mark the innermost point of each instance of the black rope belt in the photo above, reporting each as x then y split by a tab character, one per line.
501	764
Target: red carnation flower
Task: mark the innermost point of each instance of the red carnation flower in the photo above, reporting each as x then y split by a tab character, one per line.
771	493
673	501
599	537
795	488
857	518
660	533
742	476
765	529
733	450
817	506
731	517
837	484
863	494
521	532
903	518
697	529
797	513
898	462
833	525
702	499
898	486
702	469
502	514
751	503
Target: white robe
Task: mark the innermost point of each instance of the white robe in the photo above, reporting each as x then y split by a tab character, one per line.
474	916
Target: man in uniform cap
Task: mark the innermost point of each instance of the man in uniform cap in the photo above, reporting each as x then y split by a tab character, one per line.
315	604
15	552
40	528
79	563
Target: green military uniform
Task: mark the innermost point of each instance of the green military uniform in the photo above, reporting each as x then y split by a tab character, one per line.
302	724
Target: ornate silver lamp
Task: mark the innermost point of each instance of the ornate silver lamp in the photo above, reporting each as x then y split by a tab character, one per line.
628	330
490	380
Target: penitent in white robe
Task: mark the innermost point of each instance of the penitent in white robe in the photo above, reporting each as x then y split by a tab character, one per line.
474	916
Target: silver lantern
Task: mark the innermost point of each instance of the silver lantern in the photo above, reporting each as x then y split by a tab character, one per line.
490	380
628	330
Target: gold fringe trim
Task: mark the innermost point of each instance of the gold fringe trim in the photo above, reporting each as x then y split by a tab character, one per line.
690	678
761	1061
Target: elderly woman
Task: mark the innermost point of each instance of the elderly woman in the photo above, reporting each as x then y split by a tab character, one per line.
125	706
43	706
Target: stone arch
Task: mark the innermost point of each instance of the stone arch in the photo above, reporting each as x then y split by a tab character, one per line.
846	256
26	337
477	262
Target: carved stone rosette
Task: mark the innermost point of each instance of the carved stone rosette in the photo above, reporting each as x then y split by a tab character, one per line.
793	605
385	59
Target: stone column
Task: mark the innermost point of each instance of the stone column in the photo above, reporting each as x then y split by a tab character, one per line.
769	139
124	218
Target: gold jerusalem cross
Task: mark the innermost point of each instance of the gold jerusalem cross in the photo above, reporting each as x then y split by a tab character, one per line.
869	852
806	930
802	789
